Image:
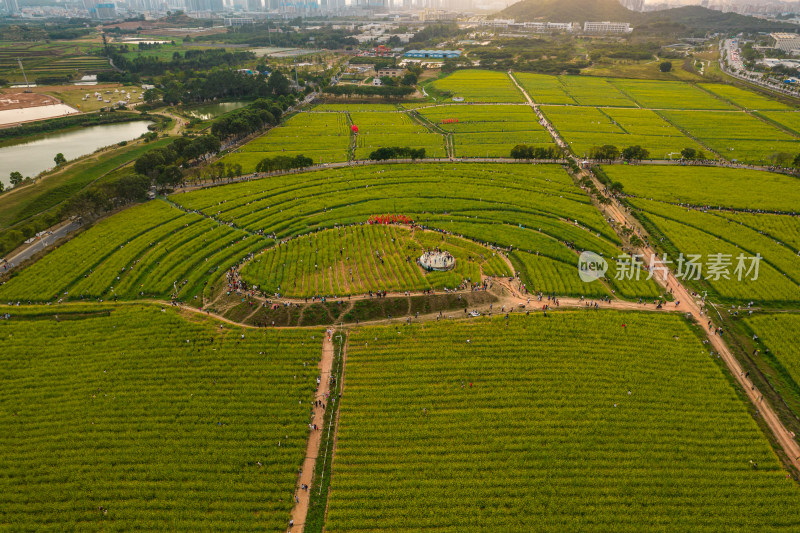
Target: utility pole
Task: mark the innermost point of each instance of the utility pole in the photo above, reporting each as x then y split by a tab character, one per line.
27	85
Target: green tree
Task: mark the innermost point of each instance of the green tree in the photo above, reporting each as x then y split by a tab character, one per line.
606	152
409	79
60	159
449	65
781	159
521	151
149	162
689	153
635	153
169	175
16	178
665	66
278	84
151	96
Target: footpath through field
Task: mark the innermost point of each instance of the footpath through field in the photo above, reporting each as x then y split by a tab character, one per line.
303	490
696	307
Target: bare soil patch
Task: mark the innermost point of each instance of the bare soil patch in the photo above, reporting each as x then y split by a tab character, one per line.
22	100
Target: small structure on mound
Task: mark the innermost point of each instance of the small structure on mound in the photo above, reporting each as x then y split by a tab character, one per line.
437	260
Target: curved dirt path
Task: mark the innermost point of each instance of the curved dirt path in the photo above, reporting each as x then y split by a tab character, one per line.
302	496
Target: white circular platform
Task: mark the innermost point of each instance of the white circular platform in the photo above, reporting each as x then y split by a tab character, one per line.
437	260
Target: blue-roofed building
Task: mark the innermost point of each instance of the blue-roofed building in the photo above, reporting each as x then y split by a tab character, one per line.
432	54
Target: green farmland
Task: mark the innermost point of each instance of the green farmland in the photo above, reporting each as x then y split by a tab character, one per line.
586	127
740	189
149	250
695	210
164	367
664	117
488	131
393	129
776	339
359	259
158	250
130	418
324	137
497	425
480	86
51	59
536	209
736	136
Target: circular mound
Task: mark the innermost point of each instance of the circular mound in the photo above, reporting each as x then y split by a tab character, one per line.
437	260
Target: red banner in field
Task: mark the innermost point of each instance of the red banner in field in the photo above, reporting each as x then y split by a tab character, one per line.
449	121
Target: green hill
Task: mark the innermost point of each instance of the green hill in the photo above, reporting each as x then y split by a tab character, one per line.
570	11
708	20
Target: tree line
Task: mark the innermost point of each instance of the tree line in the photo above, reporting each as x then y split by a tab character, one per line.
247	120
191	60
397	152
163	165
225	84
609	152
273	33
522	151
369	90
283	162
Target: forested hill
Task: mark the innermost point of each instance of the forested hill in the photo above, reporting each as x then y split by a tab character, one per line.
708	20
694	19
568	11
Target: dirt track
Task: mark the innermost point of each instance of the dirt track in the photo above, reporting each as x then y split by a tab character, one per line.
302	496
694	306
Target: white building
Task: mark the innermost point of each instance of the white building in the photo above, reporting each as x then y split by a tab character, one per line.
559	26
497	23
788	42
607	27
545	27
238	21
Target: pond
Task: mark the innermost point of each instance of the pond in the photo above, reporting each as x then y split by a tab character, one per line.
37	156
209	111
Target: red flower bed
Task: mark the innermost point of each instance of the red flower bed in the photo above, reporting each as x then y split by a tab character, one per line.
389	219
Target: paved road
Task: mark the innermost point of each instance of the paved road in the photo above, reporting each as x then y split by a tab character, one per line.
729	48
38	245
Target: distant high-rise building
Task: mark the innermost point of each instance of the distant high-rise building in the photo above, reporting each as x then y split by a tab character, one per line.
254	5
103	11
195	6
12	6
